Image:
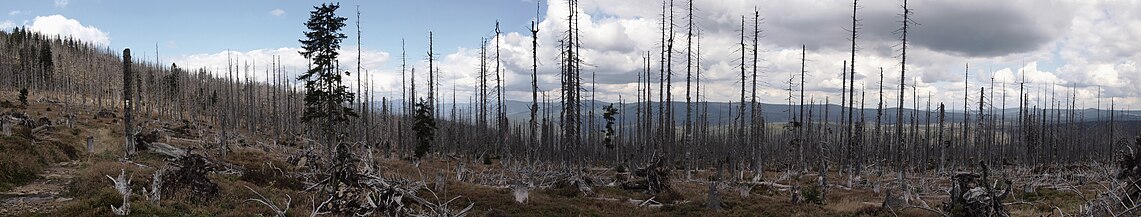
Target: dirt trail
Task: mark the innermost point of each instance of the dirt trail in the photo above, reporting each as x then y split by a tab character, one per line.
42	195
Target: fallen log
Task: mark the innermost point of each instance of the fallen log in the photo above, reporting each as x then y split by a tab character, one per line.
166	149
185	140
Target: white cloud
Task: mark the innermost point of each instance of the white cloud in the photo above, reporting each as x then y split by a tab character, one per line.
1096	50
293	64
7	24
61	3
277	12
60	25
14	13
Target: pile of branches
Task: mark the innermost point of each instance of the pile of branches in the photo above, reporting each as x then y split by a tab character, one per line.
38	129
1130	171
103	113
185	129
356	191
144	139
1121	197
186	177
654	177
973	195
20	118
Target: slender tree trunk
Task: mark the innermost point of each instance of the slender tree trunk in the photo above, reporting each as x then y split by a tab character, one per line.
128	104
534	87
851	95
800	130
899	113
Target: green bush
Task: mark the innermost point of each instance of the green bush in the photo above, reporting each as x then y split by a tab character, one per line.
24	96
811	193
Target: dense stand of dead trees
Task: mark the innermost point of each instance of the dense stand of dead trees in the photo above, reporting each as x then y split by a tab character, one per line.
1046	129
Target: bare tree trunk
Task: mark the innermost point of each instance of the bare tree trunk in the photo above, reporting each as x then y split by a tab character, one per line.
534	87
757	129
966	114
742	133
899	113
571	82
851	96
500	115
885	148
128	105
671	128
362	122
823	156
800	130
688	138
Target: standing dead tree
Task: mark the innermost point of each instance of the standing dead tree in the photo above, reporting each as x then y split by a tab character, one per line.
757	128
853	166
688	137
128	104
534	86
901	164
571	81
800	137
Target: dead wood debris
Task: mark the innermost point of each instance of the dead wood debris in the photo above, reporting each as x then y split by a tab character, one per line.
355	191
654	177
1121	196
974	195
186	178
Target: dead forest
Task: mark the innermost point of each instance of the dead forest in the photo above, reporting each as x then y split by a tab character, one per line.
187	137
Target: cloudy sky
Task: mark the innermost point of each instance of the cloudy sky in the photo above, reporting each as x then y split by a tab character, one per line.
1082	48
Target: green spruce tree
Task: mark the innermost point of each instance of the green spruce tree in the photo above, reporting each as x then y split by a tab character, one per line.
325	96
425	128
609	113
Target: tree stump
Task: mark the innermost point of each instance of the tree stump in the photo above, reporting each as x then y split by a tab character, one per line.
91	144
7	128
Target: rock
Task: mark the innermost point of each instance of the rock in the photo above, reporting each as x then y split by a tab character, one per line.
521	193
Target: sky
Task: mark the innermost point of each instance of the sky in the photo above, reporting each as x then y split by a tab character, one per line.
1074	48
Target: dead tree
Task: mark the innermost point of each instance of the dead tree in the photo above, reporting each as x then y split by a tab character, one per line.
571	80
800	119
534	85
661	81
359	96
431	77
407	97
128	104
963	145
885	148
481	112
943	144
902	87
670	124
688	138
758	121
742	133
842	135
501	114
852	166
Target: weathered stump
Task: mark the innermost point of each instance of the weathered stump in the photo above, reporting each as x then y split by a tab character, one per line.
7	128
90	144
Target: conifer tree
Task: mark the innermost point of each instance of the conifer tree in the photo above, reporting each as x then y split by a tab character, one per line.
325	95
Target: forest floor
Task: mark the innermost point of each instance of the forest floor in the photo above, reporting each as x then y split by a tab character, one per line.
49	171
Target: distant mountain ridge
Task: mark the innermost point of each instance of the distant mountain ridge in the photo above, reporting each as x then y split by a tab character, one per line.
722	113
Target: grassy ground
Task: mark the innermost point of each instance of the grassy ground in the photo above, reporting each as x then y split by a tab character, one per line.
27	156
